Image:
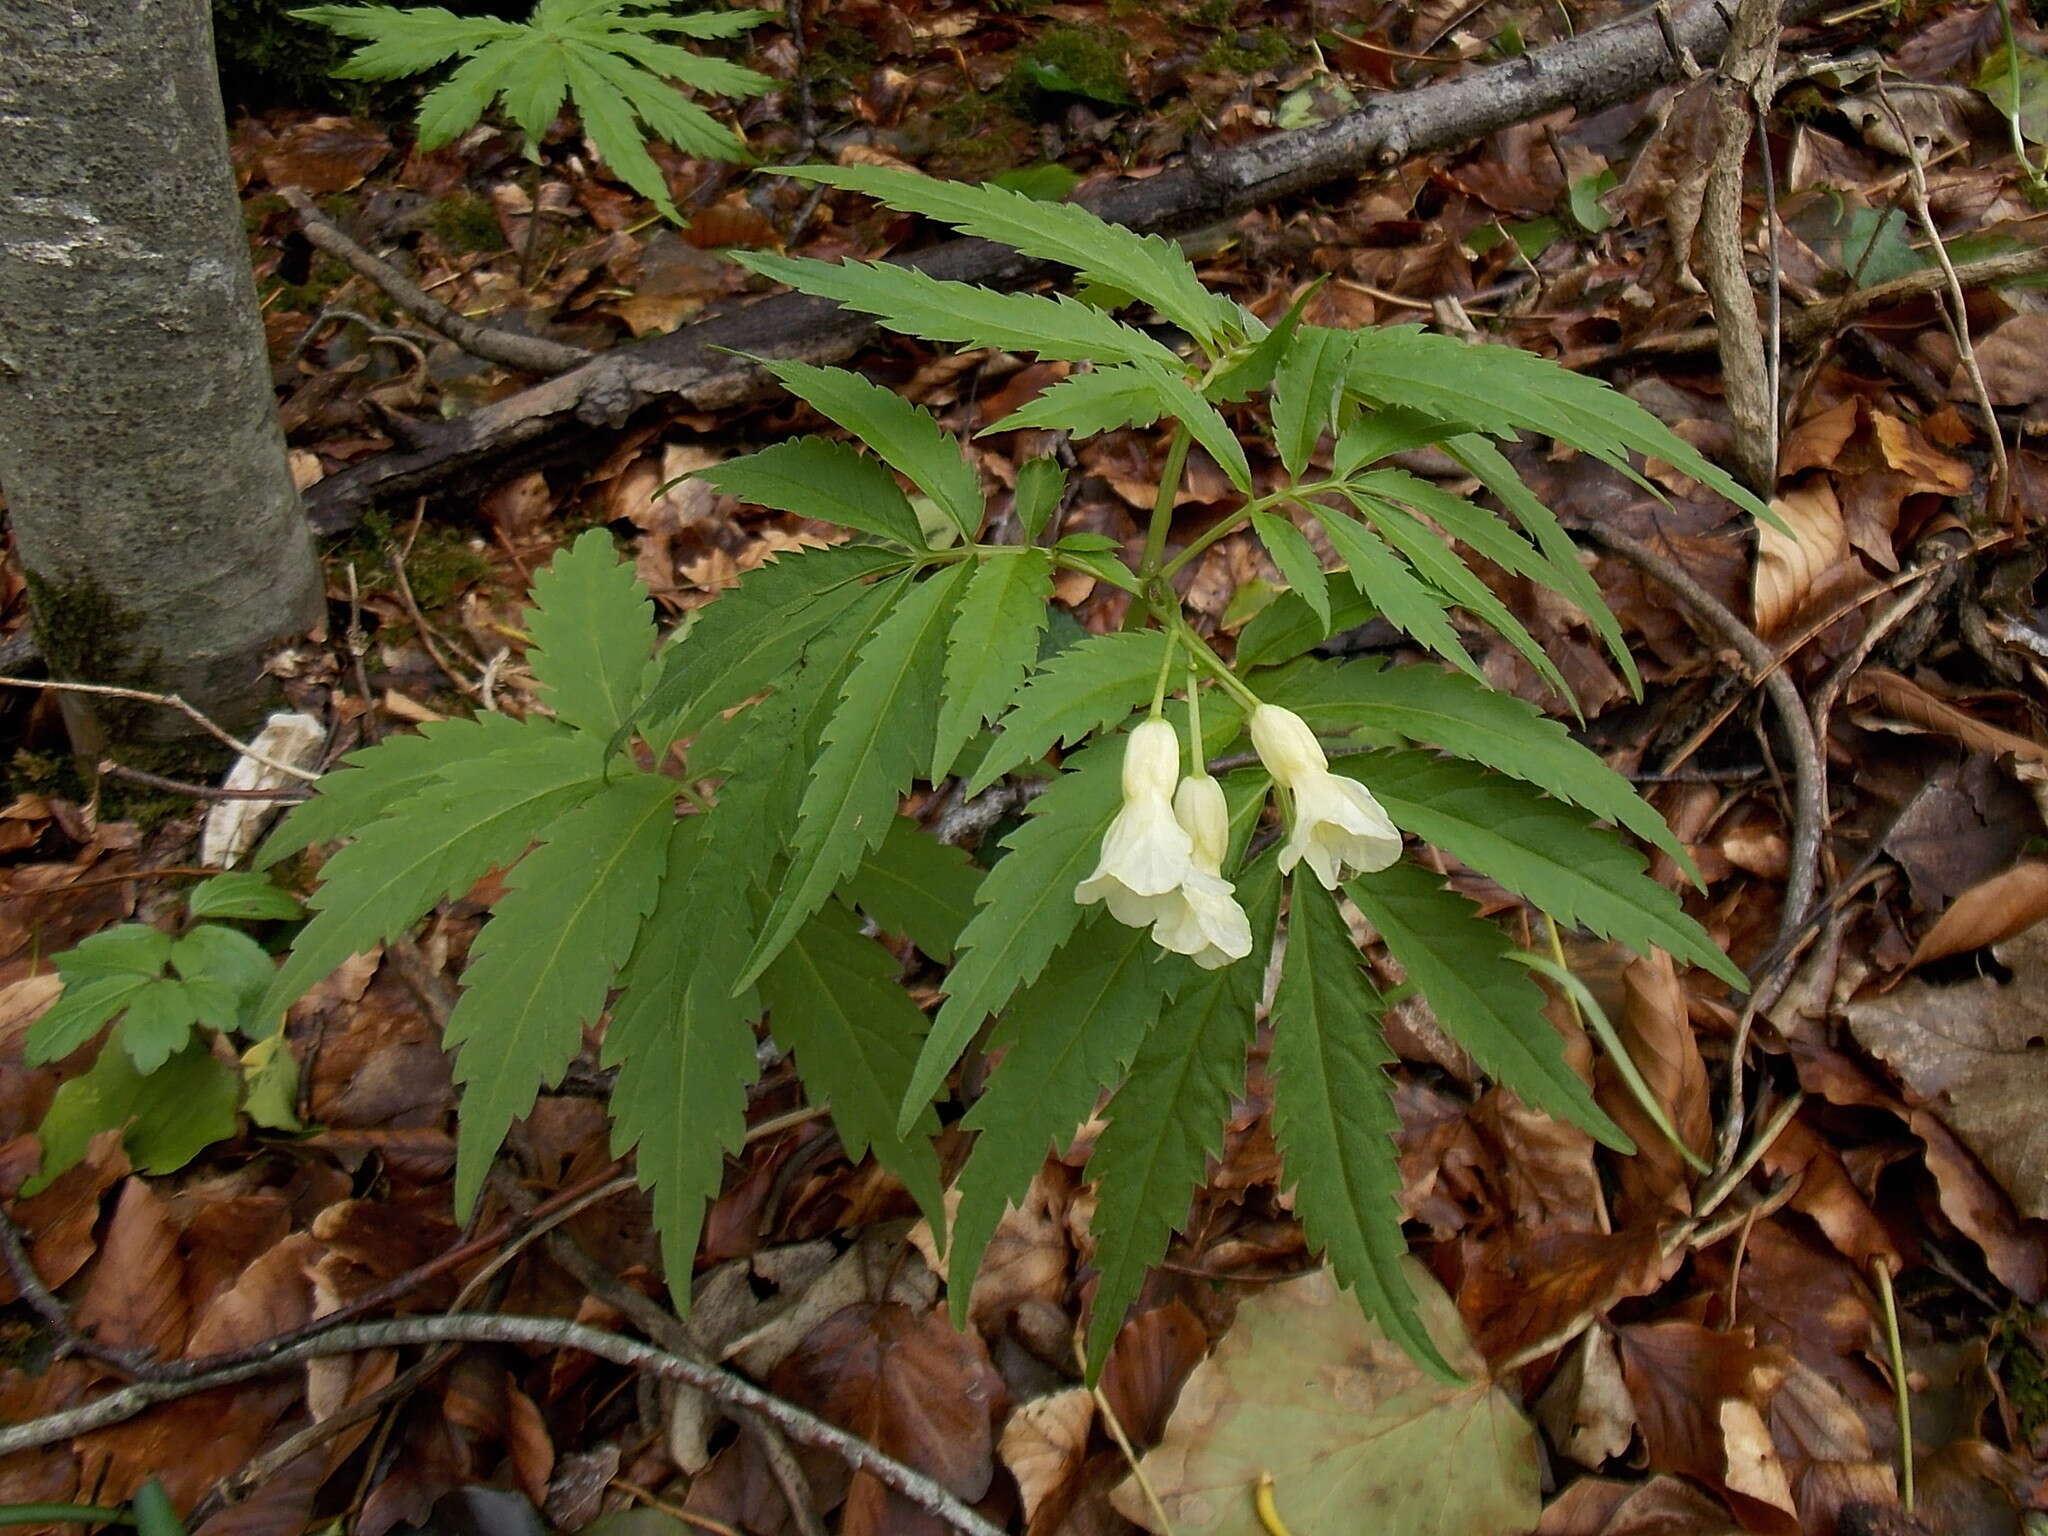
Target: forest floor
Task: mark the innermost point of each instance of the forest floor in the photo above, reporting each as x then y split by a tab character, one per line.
1696	1357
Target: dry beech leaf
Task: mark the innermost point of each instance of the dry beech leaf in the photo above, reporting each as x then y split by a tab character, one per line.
1906	451
1664	1506
1988	913
1819	440
1790	564
136	1297
1906	700
1306	1389
1985	1046
2010	360
1586	1409
1044	1446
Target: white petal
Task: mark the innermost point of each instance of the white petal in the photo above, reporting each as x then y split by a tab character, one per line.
1206	924
1199	806
1286	745
1151	761
1338	824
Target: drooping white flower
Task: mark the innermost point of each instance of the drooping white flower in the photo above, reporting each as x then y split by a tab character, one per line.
1338	825
1146	853
1205	922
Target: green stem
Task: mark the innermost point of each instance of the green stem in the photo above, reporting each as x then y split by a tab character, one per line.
2012	111
1162	507
1901	1386
1159	683
1233	521
1197	757
63	1514
1200	654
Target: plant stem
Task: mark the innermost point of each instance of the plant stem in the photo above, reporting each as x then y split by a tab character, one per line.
2012	109
1200	655
1900	1385
1233	521
1162	506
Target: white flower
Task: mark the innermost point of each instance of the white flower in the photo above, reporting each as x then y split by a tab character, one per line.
1205	921
1337	823
1146	853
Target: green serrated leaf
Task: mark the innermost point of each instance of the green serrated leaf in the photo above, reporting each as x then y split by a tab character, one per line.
540	968
1296	557
1539	848
993	639
592	627
441	842
1468	720
1084	404
1487	1002
1306	389
904	299
834	1001
1493	470
1041	485
750	637
158	1023
1203	421
168	1117
915	885
1287	626
832	482
378	780
80	1012
249	897
1438	565
1082	689
128	950
684	1045
1144	266
907	438
404	42
1166	1122
1025	911
1502	391
228	959
1064	1039
1405	601
1253	369
874	746
1334	1119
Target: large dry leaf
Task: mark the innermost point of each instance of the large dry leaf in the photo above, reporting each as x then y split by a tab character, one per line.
1985	1046
2010	360
136	1297
1305	1389
1791	563
1988	913
1908	701
1044	1446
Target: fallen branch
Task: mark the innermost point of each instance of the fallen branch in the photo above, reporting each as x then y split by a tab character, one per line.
691	369
540	1332
529	354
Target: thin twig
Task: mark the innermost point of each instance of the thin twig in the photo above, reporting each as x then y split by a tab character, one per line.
529	354
1809	798
540	1332
168	701
113	770
56	1316
1959	326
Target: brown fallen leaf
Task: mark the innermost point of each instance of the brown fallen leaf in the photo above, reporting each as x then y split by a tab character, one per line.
1585	1409
1044	1445
2010	360
136	1296
1906	700
1700	1394
1985	1047
1988	913
1306	1389
1664	1506
1790	564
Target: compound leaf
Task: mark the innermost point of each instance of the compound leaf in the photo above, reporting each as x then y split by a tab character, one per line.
540	968
834	1000
1296	557
442	841
816	477
1069	1035
592	627
873	747
1334	1120
1487	1002
1085	687
904	436
915	885
1084	404
993	640
166	1117
684	1045
1408	603
1026	910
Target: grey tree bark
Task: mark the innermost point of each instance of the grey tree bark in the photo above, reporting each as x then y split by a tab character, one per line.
140	450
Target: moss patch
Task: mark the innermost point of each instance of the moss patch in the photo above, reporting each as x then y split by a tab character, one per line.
1071	61
438	567
1248	52
465	222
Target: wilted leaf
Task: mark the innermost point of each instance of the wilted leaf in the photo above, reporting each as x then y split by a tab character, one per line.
1044	1445
2010	360
1306	1389
1988	913
1908	701
1789	564
1984	1045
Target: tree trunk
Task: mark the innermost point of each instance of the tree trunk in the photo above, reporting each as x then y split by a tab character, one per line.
140	451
